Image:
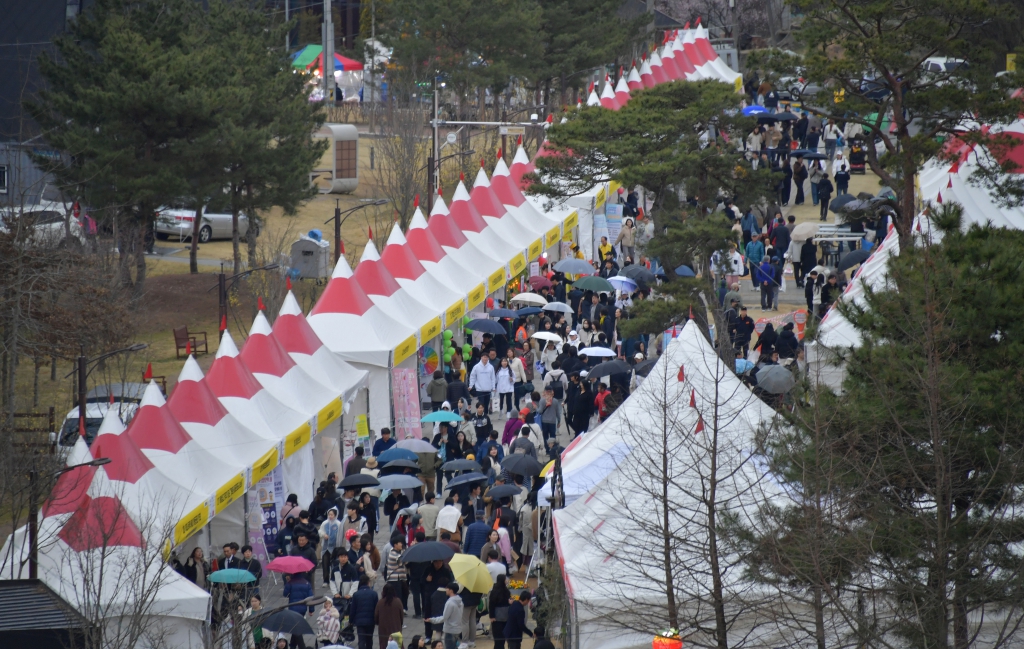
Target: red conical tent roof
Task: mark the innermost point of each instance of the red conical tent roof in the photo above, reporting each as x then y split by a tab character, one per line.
228	376
127	461
194	402
154	426
101	523
294	333
342	293
399	258
262	354
373	276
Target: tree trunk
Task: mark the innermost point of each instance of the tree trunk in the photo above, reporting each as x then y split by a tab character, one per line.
140	261
670	587
717	588
53	368
819	618
124	251
193	263
36	364
254	229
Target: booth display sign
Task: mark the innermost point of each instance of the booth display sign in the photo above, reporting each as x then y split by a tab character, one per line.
552	236
405	393
263	466
229	493
518	264
454	312
329	413
476	296
536	248
191	523
431	330
496	280
406	349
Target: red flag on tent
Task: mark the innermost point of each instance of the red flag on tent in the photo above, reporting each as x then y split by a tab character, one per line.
288	282
462	177
188	348
682	375
259	303
700	426
148	374
686	26
482	163
919	225
551	118
223	323
691	313
342	247
440	190
519	140
949	185
369	232
111	401
498	157
416	201
693	398
938	199
954	168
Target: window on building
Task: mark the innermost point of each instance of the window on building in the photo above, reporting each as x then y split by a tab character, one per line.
346	155
3	179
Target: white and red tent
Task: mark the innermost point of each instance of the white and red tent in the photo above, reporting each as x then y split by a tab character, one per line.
428	251
592	98
608	99
657	69
350	324
514	226
455	242
633	80
381	287
622	89
646	75
401	262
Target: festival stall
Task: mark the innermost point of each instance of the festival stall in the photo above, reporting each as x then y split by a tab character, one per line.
692	418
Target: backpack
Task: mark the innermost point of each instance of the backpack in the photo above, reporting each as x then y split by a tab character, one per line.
555	385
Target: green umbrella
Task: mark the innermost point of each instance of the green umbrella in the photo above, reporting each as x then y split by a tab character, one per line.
594	283
232	576
441	415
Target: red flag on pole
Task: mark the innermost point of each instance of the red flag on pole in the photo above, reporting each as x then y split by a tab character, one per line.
949	185
288	282
188	349
938	199
416	201
682	375
148	375
223	323
369	232
700	426
691	313
693	398
259	303
498	157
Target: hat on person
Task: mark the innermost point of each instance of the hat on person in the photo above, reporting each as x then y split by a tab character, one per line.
524	412
573	333
371	463
584	374
638	356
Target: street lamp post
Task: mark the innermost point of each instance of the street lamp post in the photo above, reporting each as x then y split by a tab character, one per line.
434	171
338	221
222	287
33	513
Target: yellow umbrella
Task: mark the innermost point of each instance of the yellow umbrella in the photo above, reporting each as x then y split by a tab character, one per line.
471	573
547	469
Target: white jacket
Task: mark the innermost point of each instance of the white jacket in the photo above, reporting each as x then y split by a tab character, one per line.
482	377
518	370
506	380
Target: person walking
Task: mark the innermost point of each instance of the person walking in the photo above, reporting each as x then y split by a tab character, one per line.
841	172
362	612
505	382
832	134
627	239
450	618
815	175
437	390
755	255
482	381
516	625
824	194
786	184
331	537
799	176
766	281
388	614
497	609
808	260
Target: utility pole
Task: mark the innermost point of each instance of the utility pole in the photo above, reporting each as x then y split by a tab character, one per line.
222	295
434	152
337	230
287	34
83	377
33	532
327	69
373	63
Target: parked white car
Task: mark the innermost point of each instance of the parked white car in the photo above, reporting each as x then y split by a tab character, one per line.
178	223
46	222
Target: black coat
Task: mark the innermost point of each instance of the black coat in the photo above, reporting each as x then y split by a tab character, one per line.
808	256
744	329
786	344
364	603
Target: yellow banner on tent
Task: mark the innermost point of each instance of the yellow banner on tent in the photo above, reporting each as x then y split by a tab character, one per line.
329	413
263	466
601	198
297	439
406	349
454	312
477	295
518	264
534	250
572	221
362	426
430	330
496	280
552	236
613	187
191	523
229	493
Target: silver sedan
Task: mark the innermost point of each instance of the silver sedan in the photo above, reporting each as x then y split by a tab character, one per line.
179	224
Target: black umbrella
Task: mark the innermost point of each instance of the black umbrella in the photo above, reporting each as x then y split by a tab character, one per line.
799	153
358	480
786	117
851	259
522	464
644	368
461	465
856	205
504	491
286	621
466	478
428	551
608	368
814	155
841	200
638	272
400	464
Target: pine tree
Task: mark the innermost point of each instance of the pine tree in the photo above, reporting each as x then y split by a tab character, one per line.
923	453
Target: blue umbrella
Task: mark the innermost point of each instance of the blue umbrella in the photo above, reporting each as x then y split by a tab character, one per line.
685	271
530	310
395	453
486	327
466	478
502	313
754	110
399	481
441	415
623	283
232	576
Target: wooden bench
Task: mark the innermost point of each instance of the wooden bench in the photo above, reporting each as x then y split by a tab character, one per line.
194	341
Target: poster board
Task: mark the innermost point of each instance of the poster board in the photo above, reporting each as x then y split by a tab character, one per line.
405	394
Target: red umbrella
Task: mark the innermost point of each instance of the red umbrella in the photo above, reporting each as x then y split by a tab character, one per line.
538	282
290	565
